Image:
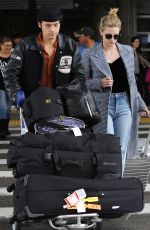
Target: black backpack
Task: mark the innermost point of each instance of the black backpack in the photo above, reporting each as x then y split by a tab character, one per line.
44	102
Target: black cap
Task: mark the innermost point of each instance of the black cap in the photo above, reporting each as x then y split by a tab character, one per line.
49	13
85	31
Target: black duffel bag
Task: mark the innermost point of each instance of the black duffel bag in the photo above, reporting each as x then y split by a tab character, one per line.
86	156
44	102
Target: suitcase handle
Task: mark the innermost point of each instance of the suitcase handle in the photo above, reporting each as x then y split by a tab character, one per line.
59	163
76	163
62	163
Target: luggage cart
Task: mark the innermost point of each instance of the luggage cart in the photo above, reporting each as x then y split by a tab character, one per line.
62	222
69	222
79	221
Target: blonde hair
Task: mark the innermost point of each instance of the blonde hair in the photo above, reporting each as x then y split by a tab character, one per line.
110	20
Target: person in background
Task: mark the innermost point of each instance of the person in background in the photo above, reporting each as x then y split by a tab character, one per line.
147	81
46	59
110	76
141	65
6	44
85	38
16	39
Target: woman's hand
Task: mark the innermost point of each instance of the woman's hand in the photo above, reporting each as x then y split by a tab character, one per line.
106	82
145	113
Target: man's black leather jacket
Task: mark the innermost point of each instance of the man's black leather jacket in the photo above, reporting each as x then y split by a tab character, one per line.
24	69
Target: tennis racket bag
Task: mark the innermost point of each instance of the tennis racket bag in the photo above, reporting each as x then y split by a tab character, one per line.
59	124
38	196
86	156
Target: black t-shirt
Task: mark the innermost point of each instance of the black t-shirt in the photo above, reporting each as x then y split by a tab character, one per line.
119	76
3	64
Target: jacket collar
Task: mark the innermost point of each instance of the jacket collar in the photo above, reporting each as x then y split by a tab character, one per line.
35	45
123	52
101	60
61	42
99	54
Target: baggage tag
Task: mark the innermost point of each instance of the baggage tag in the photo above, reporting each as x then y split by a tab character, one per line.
81	206
91	199
76	196
76	131
72	199
93	206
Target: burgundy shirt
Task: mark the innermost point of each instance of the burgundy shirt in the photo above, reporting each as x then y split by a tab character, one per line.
46	78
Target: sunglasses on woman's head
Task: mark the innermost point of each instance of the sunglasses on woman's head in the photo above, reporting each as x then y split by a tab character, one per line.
109	36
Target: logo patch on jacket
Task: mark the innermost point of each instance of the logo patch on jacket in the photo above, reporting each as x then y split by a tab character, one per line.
14	56
65	64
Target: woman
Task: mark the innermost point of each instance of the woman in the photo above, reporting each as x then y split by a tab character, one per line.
141	65
136	45
5	52
110	76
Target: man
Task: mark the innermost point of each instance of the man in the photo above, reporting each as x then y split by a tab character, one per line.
86	38
16	39
49	59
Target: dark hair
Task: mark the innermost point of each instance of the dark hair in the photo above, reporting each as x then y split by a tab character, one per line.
140	43
134	38
17	36
5	39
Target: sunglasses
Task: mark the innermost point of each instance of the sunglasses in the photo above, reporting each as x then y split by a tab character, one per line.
109	36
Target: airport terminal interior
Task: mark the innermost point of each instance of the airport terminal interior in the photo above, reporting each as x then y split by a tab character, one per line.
19	17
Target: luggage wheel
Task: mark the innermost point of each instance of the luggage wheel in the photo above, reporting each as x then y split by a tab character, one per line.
76	221
16	226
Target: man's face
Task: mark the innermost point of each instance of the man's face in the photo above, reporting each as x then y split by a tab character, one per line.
17	40
50	30
82	39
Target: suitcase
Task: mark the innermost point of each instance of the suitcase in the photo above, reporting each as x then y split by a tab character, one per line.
40	196
86	156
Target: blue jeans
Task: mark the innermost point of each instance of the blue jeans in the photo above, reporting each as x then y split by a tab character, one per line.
4	105
119	121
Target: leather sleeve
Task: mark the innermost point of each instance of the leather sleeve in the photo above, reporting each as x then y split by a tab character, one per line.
77	68
13	72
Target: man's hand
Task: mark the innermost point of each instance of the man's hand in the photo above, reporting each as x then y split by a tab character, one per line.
20	98
14	108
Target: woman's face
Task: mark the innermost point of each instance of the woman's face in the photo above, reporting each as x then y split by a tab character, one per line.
6	47
136	43
110	35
